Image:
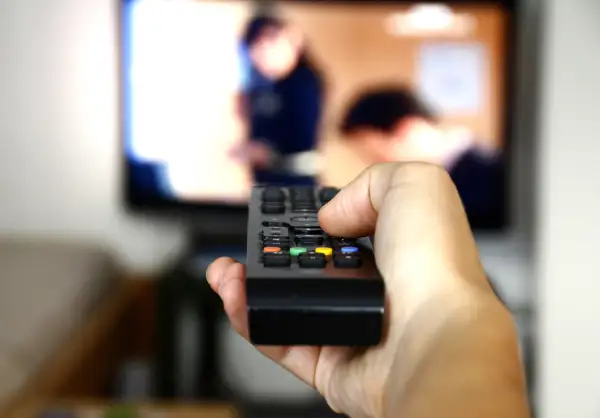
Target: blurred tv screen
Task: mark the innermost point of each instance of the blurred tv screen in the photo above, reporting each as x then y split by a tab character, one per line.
222	95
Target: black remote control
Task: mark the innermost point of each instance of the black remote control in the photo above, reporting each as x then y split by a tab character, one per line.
303	286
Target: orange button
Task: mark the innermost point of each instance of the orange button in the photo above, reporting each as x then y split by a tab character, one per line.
271	249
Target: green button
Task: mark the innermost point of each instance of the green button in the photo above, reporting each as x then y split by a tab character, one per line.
296	251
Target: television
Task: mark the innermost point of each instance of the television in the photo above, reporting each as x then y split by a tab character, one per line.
220	95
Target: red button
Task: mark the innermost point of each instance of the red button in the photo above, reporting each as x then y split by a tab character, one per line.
271	249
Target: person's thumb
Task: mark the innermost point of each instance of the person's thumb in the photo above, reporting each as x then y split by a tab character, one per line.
417	216
353	212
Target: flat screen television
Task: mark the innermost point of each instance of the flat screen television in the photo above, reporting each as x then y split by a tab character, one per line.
221	95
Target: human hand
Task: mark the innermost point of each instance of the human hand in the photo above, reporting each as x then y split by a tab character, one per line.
440	305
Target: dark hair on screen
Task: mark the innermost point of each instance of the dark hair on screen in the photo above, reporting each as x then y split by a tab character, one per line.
258	24
381	108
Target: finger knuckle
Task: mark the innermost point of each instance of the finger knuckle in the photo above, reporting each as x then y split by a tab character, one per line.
421	172
382	167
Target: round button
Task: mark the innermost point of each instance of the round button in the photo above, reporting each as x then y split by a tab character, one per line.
326	251
347	261
305	219
296	251
271	249
348	250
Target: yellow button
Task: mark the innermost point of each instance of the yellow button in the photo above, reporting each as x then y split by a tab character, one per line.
325	251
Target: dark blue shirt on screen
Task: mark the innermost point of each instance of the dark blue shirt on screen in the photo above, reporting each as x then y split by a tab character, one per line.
479	178
286	115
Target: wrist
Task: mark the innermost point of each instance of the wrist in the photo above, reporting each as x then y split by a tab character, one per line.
461	347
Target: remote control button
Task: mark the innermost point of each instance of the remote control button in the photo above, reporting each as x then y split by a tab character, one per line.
284	244
302	200
343	242
265	234
296	251
309	240
349	250
308	230
273	194
303	204
312	260
302	191
308	195
275	223
304	219
272	250
272	208
275	238
327	193
347	261
308	223
279	259
326	251
304	210
277	241
275	231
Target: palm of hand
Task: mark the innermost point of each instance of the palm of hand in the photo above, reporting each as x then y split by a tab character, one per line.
337	373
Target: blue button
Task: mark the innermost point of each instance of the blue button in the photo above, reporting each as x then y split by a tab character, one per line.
349	250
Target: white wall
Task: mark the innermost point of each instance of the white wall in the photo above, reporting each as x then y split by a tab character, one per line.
59	147
569	212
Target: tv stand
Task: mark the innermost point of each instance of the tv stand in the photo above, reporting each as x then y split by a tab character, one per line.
184	296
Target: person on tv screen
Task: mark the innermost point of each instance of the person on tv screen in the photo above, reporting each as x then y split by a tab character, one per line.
284	101
390	123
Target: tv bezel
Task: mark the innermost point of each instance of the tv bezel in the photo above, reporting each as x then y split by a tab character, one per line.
236	214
